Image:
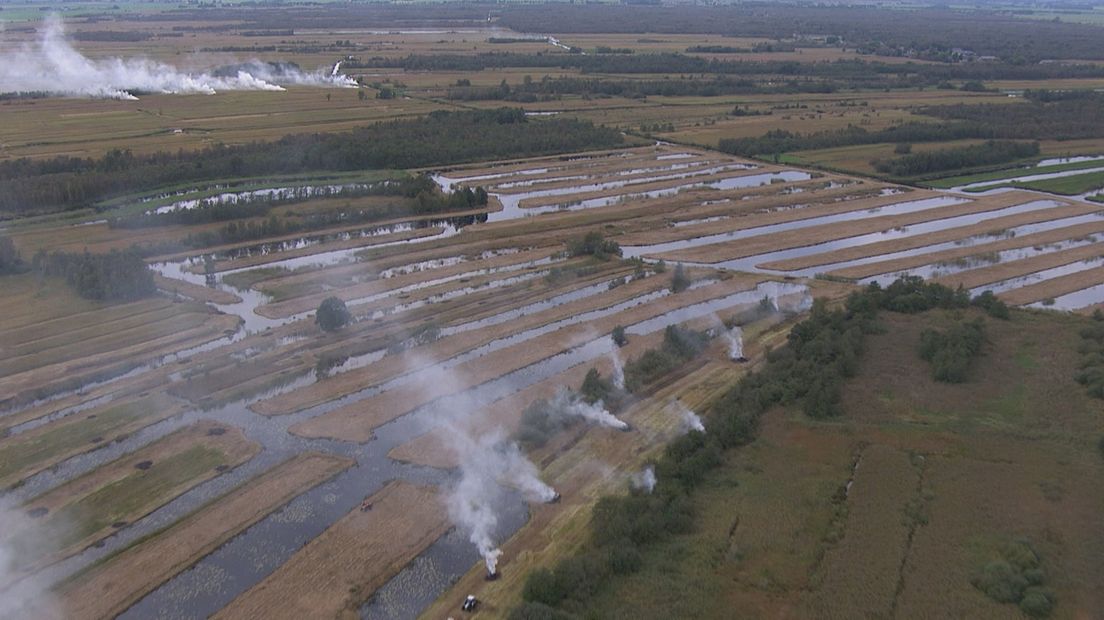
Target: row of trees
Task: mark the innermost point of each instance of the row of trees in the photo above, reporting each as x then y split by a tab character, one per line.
808	372
667	63
115	276
1061	119
551	88
920	31
428	201
930	163
439	138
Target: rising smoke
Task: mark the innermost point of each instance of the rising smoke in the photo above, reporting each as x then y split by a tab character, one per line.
569	405
21	596
644	480
618	366
486	462
52	65
688	420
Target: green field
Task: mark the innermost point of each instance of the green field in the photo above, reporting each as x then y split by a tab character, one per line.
1010	173
1066	186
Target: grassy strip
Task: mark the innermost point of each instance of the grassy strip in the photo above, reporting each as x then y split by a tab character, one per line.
1010	173
1065	186
30	452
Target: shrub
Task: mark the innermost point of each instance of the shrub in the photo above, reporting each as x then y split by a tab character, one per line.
619	337
1001	582
952	351
332	314
593	244
1037	602
539	423
115	276
993	305
541	587
1017	578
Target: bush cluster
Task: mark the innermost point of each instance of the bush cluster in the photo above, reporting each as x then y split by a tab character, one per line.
1017	577
951	352
593	244
679	346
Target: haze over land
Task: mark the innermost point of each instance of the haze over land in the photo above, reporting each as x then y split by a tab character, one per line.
551	311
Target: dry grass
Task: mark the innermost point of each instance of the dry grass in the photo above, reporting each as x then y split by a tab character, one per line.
337	571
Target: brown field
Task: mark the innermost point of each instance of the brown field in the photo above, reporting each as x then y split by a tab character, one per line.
83	128
51	339
336	572
892	266
753	246
108	588
1004	271
1049	289
356	421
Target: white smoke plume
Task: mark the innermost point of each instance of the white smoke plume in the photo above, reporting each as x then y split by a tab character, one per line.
735	339
776	291
21	596
487	461
52	65
618	366
568	404
688	420
644	480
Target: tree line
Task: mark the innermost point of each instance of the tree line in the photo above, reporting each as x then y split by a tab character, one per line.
440	138
930	163
1040	117
114	276
920	31
919	74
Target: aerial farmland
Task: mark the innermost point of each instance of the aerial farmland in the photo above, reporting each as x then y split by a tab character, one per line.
385	311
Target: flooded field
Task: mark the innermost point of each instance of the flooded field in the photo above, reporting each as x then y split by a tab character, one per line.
454	319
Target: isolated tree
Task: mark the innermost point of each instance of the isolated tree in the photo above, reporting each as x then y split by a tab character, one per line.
332	314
